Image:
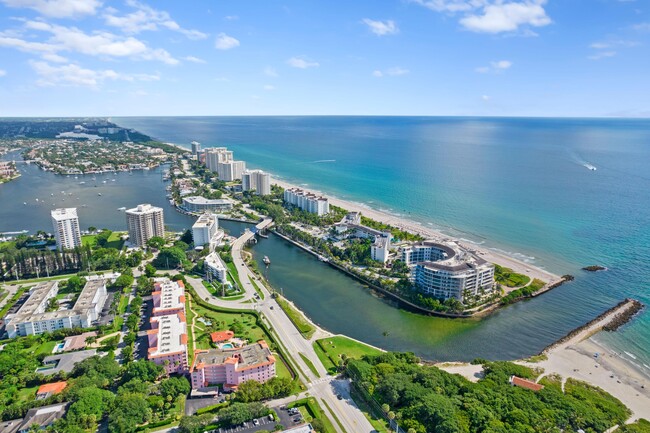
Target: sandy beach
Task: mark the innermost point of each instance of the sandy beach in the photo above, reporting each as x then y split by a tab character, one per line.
411	226
582	358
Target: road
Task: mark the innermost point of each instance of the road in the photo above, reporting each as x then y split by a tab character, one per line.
324	387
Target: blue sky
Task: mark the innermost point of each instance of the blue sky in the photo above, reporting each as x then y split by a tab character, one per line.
362	57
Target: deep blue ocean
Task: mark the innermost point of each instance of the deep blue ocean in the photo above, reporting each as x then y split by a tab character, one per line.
519	185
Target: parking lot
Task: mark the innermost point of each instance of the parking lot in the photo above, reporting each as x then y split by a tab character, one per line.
249	427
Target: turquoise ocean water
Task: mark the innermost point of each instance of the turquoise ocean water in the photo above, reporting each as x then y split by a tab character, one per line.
519	185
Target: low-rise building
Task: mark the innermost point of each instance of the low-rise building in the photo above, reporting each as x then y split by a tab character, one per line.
231	367
33	318
201	204
307	201
40	417
215	268
46	390
168	297
168	342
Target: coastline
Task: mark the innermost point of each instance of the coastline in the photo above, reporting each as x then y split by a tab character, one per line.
402	223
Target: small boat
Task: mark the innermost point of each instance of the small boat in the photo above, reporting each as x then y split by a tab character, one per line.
99	194
121	208
52	194
590	167
112	180
36	199
25	203
103	181
266	260
82	183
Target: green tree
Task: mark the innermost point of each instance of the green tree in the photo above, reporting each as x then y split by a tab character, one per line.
150	270
76	283
156	242
129	411
124	281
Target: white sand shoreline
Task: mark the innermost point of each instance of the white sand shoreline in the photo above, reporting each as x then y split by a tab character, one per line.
498	257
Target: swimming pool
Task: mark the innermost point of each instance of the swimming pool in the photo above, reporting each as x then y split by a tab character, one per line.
227	346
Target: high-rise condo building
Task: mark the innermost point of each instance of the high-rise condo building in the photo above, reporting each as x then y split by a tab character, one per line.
196	148
307	201
66	228
143	223
206	231
256	180
221	161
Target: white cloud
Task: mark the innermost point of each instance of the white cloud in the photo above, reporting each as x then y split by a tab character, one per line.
225	42
493	16
231	18
507	17
74	75
269	87
642	27
100	44
390	72
3	72
147	18
602	55
54	58
302	63
270	72
57	8
485	98
194	59
381	28
495	66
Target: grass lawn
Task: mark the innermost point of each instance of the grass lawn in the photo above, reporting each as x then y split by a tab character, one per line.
27	394
281	370
189	317
305	328
232	271
310	409
246	321
115	241
90	240
334	347
324	359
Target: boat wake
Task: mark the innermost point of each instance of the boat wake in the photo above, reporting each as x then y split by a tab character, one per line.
321	161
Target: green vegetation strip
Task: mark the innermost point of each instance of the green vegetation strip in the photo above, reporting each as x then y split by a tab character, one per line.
336	418
316	413
309	364
257	289
509	278
10	303
373	416
305	328
232	271
524	292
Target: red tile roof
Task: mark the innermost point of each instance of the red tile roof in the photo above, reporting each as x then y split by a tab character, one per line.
220	336
51	388
523	383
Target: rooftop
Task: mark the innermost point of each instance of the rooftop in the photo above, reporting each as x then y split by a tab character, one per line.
220	336
43	416
66	361
195	199
64	213
245	357
214	261
206	220
143	209
77	342
458	259
524	383
171	331
52	388
170	293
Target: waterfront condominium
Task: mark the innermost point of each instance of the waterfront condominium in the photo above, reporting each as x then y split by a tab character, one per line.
144	222
256	180
33	318
221	161
205	231
231	367
66	228
307	201
447	271
215	268
196	148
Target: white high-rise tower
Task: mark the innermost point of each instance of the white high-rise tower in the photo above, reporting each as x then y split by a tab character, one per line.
66	228
144	222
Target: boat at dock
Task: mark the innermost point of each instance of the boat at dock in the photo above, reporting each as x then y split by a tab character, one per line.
266	260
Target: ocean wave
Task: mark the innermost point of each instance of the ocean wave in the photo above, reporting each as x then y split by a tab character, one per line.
471	241
320	161
519	256
629	354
